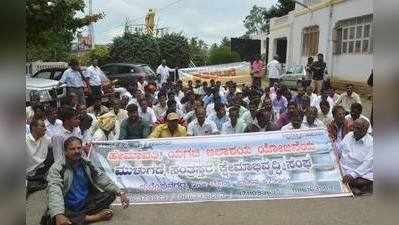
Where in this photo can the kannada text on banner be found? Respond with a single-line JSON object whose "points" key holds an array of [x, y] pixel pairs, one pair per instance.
{"points": [[273, 165], [237, 72]]}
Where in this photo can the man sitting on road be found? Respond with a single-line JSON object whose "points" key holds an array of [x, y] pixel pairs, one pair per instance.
{"points": [[296, 122], [310, 120], [39, 155], [201, 126], [78, 193], [356, 158], [356, 113], [232, 126], [347, 98], [133, 127], [170, 129], [98, 108]]}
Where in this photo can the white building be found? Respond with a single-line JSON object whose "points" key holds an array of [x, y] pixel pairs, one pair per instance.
{"points": [[342, 30]]}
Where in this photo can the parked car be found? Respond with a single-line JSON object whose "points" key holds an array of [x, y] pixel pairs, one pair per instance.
{"points": [[48, 89], [124, 72], [50, 73]]}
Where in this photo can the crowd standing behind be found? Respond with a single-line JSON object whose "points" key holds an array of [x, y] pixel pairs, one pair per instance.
{"points": [[169, 108]]}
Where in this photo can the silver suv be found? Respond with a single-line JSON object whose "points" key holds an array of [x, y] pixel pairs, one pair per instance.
{"points": [[47, 89]]}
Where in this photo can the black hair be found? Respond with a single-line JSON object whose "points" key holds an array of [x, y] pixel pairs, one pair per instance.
{"points": [[357, 106], [132, 107], [325, 103], [68, 113], [86, 118], [171, 102], [70, 140]]}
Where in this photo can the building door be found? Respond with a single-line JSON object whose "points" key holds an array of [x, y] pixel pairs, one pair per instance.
{"points": [[281, 49]]}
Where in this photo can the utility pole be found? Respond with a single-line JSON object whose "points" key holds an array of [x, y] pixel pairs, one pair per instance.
{"points": [[127, 26], [91, 26]]}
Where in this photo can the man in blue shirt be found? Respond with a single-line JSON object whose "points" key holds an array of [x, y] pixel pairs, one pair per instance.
{"points": [[78, 193]]}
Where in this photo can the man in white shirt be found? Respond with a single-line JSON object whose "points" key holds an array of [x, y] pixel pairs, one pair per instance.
{"points": [[249, 116], [200, 126], [324, 96], [70, 127], [146, 113], [274, 71], [347, 98], [313, 97], [296, 122], [75, 80], [222, 90], [40, 158], [53, 125], [356, 113], [310, 120], [163, 70], [220, 117], [324, 114], [96, 77], [161, 107], [356, 158], [231, 126]]}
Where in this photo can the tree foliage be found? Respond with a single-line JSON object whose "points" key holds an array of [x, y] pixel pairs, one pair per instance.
{"points": [[143, 48], [198, 51], [258, 19], [175, 49], [222, 55], [100, 52], [135, 48], [50, 27]]}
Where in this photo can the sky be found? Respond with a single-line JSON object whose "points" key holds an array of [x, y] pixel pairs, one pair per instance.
{"points": [[209, 20]]}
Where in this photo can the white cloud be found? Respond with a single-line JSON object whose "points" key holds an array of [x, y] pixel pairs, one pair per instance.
{"points": [[209, 20]]}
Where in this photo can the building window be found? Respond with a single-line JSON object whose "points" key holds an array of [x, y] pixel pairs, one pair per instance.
{"points": [[354, 36], [310, 43]]}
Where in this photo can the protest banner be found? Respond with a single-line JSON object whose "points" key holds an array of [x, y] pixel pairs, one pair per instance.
{"points": [[255, 166], [237, 72]]}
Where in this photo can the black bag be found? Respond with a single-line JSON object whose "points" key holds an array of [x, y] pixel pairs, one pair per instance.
{"points": [[370, 80]]}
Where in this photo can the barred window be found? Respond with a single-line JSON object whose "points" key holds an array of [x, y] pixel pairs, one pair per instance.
{"points": [[354, 36], [310, 42]]}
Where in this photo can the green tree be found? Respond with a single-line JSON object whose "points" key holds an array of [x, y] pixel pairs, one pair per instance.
{"points": [[135, 48], [225, 42], [143, 48], [101, 53], [175, 49], [50, 26], [198, 51], [258, 19], [223, 55]]}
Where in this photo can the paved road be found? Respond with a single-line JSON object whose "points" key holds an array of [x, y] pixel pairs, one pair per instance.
{"points": [[326, 211]]}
